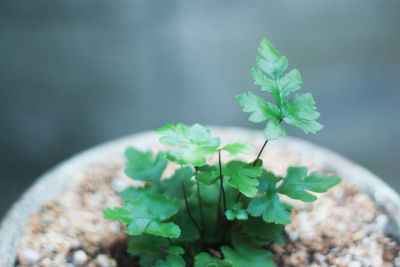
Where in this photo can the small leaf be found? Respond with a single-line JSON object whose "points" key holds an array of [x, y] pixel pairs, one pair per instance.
{"points": [[145, 215], [301, 112], [235, 212], [243, 176], [297, 183], [175, 250], [239, 147], [239, 215], [171, 261], [273, 130], [204, 259], [141, 166], [260, 109], [195, 143], [290, 83], [271, 209]]}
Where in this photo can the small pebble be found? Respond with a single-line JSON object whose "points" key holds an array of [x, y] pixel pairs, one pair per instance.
{"points": [[79, 257], [104, 261]]}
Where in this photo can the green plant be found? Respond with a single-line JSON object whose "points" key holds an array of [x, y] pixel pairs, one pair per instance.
{"points": [[220, 214]]}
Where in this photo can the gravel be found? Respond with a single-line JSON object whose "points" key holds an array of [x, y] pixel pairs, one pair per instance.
{"points": [[343, 227]]}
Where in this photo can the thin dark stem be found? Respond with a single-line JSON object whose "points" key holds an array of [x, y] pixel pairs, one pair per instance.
{"points": [[187, 205], [221, 178], [259, 154], [218, 212], [200, 202]]}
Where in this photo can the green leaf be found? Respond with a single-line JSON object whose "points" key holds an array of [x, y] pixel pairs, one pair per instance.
{"points": [[290, 83], [271, 62], [172, 187], [246, 253], [141, 166], [265, 83], [271, 209], [260, 109], [269, 205], [145, 215], [239, 147], [207, 174], [171, 261], [138, 245], [301, 113], [133, 193], [188, 230], [175, 250], [268, 182], [204, 259], [297, 183], [236, 212], [261, 230], [195, 143], [150, 259], [243, 176]]}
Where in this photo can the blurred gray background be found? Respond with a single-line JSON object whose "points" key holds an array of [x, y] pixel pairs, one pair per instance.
{"points": [[77, 73]]}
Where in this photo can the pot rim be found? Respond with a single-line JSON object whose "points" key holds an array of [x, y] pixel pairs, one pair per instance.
{"points": [[57, 178]]}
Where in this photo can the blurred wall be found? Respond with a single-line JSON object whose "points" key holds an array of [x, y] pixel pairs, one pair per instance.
{"points": [[77, 73]]}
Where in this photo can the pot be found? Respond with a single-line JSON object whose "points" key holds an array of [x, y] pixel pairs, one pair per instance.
{"points": [[56, 180]]}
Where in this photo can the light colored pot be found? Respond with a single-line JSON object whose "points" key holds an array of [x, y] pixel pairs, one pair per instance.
{"points": [[56, 180]]}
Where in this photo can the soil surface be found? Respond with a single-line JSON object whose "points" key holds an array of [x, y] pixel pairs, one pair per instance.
{"points": [[342, 228]]}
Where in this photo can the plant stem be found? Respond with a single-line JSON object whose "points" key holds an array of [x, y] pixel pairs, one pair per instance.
{"points": [[200, 202], [221, 178], [187, 205], [259, 154], [218, 212]]}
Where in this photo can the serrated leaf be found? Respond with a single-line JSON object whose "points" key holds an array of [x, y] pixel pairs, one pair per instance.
{"points": [[243, 176], [247, 253], [290, 83], [270, 60], [261, 230], [271, 209], [298, 111], [145, 215], [138, 245], [297, 184], [239, 148], [301, 113], [204, 259], [195, 143], [260, 109], [141, 166], [171, 261], [265, 83], [175, 250], [273, 130]]}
